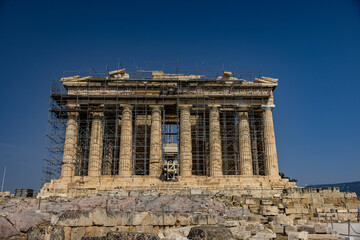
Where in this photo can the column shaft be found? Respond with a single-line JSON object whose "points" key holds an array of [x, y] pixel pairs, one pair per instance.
{"points": [[70, 145], [271, 161], [155, 142], [126, 151], [96, 144], [185, 142], [245, 156], [215, 143]]}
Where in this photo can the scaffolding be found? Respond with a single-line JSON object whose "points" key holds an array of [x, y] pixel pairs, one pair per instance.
{"points": [[141, 87]]}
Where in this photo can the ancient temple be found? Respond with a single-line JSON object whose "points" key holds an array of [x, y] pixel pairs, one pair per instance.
{"points": [[168, 132]]}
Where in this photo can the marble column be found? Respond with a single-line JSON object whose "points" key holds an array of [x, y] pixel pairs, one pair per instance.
{"points": [[185, 141], [96, 144], [155, 142], [245, 156], [215, 142], [271, 161], [70, 145], [126, 151]]}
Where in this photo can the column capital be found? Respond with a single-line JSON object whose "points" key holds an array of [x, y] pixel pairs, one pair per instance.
{"points": [[185, 106], [97, 114], [73, 114], [156, 107], [268, 106], [214, 106], [127, 107], [72, 105]]}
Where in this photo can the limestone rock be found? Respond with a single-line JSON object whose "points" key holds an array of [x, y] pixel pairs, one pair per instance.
{"points": [[36, 233], [283, 219], [184, 231], [231, 224], [6, 229], [321, 229], [24, 221], [174, 237], [268, 210], [298, 236], [206, 232], [290, 228], [131, 236], [265, 234], [55, 233]]}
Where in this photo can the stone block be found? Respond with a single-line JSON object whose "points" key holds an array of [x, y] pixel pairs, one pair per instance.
{"points": [[96, 231], [323, 236], [195, 191], [250, 201], [184, 231], [206, 232], [320, 229], [307, 228], [268, 210], [298, 236], [266, 202], [132, 235], [279, 229], [265, 234], [77, 232], [182, 219], [231, 224], [290, 228], [199, 219], [141, 218], [283, 219]]}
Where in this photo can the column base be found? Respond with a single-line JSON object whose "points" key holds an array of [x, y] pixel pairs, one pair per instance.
{"points": [[80, 186]]}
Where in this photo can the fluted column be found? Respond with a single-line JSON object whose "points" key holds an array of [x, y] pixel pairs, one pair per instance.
{"points": [[245, 156], [125, 159], [271, 161], [155, 142], [96, 144], [185, 141], [70, 145], [215, 142]]}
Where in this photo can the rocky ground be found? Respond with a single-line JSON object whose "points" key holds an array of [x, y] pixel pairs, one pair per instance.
{"points": [[166, 217]]}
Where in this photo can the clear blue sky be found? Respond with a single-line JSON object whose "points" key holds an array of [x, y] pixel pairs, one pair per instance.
{"points": [[313, 47]]}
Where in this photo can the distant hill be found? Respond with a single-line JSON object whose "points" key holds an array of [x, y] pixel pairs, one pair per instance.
{"points": [[344, 187]]}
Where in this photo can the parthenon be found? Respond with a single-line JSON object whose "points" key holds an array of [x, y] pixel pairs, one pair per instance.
{"points": [[153, 130]]}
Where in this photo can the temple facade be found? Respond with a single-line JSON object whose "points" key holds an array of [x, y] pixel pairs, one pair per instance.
{"points": [[167, 132]]}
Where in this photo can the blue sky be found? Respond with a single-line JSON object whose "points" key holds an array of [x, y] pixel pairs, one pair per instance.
{"points": [[313, 47]]}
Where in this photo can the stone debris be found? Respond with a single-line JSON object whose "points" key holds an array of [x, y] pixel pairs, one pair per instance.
{"points": [[206, 232], [169, 217]]}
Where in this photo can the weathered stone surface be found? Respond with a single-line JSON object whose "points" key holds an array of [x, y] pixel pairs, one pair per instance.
{"points": [[174, 237], [24, 221], [298, 236], [322, 236], [241, 235], [132, 236], [321, 229], [184, 231], [6, 229], [307, 228], [290, 228], [283, 219], [265, 234], [209, 233], [268, 210], [254, 227], [231, 224], [77, 232], [36, 233], [54, 233]]}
